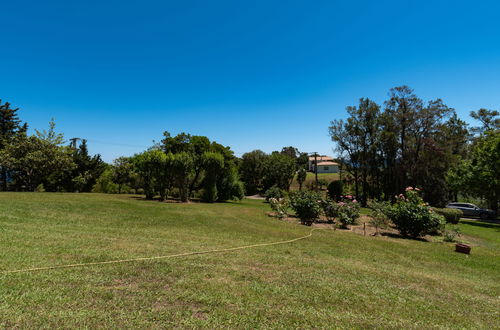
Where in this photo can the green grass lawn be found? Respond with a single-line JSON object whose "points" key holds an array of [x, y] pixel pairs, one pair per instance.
{"points": [[311, 178], [333, 279]]}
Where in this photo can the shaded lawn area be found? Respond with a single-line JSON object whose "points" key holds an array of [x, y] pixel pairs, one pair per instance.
{"points": [[333, 279]]}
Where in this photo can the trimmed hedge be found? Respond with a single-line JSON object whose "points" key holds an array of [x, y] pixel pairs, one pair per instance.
{"points": [[450, 215]]}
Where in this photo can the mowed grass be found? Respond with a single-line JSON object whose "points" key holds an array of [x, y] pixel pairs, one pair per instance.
{"points": [[310, 178], [333, 279]]}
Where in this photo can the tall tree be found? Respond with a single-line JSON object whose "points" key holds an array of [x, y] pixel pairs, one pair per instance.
{"points": [[488, 118], [10, 127], [252, 170]]}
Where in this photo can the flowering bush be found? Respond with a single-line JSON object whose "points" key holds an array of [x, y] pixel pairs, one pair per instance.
{"points": [[274, 192], [347, 211], [306, 206], [412, 217], [280, 206]]}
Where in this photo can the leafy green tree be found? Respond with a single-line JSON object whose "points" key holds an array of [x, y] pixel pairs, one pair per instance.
{"points": [[213, 164], [252, 169], [33, 160], [479, 176], [279, 171], [50, 135], [104, 184], [183, 167], [123, 169]]}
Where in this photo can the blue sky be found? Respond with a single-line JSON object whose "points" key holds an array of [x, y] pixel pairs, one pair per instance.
{"points": [[248, 74]]}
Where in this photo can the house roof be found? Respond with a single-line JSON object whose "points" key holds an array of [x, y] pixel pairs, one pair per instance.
{"points": [[321, 158], [327, 163]]}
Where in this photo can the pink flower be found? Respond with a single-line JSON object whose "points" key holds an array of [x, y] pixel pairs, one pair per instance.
{"points": [[341, 203], [348, 197], [354, 201], [409, 188], [417, 189]]}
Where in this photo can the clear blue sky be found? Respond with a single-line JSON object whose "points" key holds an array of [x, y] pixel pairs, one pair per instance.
{"points": [[248, 74]]}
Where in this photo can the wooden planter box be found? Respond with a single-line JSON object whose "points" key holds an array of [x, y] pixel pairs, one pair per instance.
{"points": [[462, 248]]}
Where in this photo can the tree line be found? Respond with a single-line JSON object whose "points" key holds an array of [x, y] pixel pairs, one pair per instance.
{"points": [[409, 142], [382, 150]]}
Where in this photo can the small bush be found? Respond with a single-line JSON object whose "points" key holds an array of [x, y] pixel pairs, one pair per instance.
{"points": [[451, 235], [274, 192], [330, 209], [280, 206], [348, 212], [306, 205], [335, 190], [412, 217], [40, 188], [450, 215]]}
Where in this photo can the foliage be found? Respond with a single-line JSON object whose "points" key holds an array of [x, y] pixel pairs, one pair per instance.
{"points": [[306, 205], [301, 177], [34, 161], [274, 192], [330, 209], [252, 170], [183, 168], [322, 182], [123, 168], [105, 184], [348, 211], [412, 217], [280, 206], [213, 164], [409, 142], [450, 215], [10, 129], [378, 214], [479, 176], [279, 171], [335, 190], [451, 235]]}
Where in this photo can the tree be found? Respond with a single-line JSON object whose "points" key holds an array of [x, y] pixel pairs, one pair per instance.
{"points": [[301, 177], [410, 143], [488, 118], [50, 135], [123, 169], [279, 170], [213, 164], [9, 128], [33, 160], [480, 176], [183, 167], [87, 167], [252, 170]]}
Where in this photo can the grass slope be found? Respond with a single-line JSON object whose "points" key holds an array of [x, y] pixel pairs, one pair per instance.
{"points": [[334, 279]]}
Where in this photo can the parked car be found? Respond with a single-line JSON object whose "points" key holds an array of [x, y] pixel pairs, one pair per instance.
{"points": [[472, 210]]}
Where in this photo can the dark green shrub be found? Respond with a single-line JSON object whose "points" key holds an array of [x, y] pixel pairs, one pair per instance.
{"points": [[412, 217], [450, 215], [274, 192], [306, 205], [335, 190]]}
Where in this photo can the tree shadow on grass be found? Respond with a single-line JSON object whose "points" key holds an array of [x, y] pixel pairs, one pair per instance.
{"points": [[483, 223], [399, 236]]}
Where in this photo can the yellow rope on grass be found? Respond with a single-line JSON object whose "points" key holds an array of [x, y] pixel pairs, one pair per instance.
{"points": [[157, 257]]}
